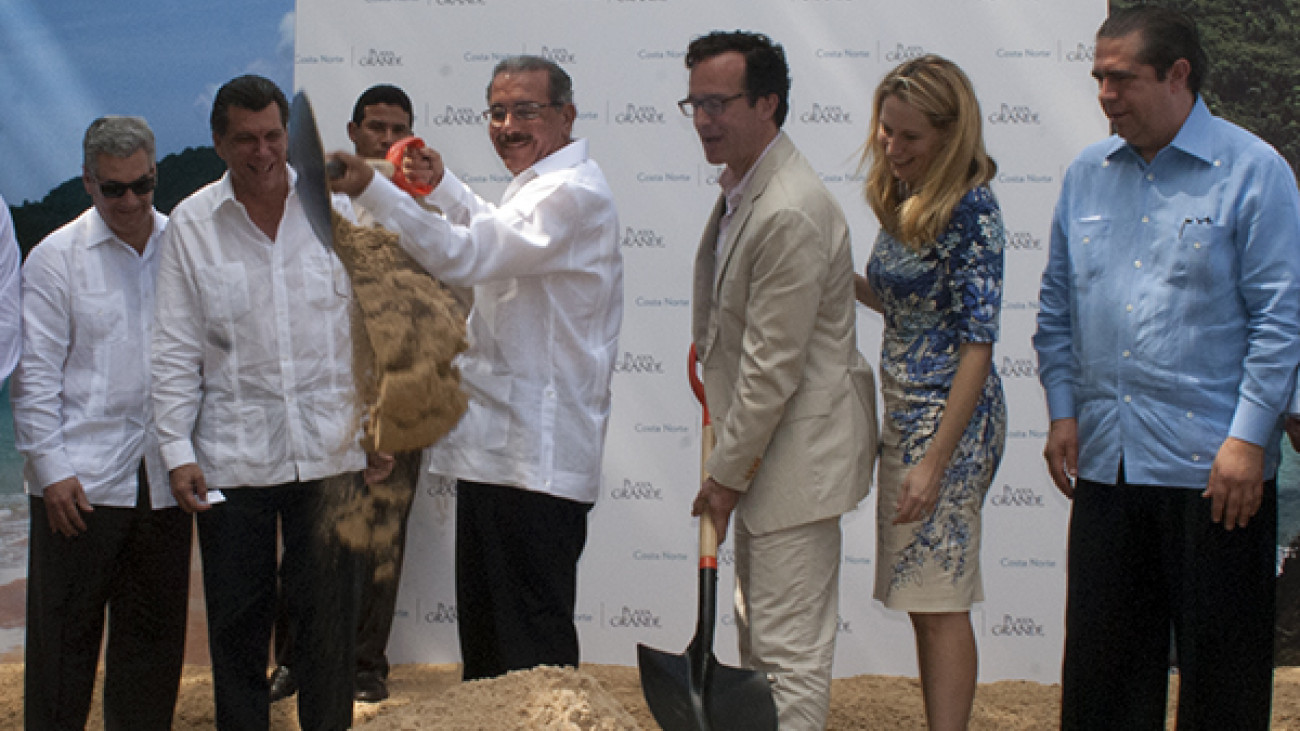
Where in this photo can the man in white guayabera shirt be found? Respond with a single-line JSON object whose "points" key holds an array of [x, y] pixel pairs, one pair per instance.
{"points": [[548, 302], [253, 391], [105, 531]]}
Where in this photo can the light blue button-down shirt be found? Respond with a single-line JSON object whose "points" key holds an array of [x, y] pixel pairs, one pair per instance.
{"points": [[1169, 314]]}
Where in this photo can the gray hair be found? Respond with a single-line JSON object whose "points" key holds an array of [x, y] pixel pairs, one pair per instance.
{"points": [[561, 86], [116, 137]]}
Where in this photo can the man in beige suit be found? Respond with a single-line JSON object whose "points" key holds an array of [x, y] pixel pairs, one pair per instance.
{"points": [[792, 400]]}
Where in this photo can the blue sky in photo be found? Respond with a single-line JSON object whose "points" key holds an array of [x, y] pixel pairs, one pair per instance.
{"points": [[65, 62]]}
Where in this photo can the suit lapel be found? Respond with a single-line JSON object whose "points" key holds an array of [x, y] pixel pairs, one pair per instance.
{"points": [[711, 265], [736, 231]]}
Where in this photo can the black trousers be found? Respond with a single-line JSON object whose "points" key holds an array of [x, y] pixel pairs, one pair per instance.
{"points": [[378, 600], [1144, 561], [136, 563], [516, 578], [238, 540]]}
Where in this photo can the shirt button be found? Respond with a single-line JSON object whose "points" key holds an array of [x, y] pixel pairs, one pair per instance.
{"points": [[1146, 219], [1218, 163], [1196, 458], [1137, 264], [1128, 399], [1086, 239], [1128, 308], [1105, 163], [1196, 245], [1126, 354], [1150, 176], [1189, 414]]}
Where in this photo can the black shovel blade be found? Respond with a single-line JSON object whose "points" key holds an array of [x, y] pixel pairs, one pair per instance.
{"points": [[723, 698], [308, 160]]}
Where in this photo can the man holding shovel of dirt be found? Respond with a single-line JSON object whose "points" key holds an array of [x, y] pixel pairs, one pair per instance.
{"points": [[548, 302]]}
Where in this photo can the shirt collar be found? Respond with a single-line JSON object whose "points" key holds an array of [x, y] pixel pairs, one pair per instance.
{"points": [[226, 189], [101, 234], [1193, 138], [733, 192], [571, 155]]}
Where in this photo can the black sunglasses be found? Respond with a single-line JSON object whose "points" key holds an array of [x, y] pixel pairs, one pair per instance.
{"points": [[142, 185]]}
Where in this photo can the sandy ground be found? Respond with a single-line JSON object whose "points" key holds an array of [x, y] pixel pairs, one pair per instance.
{"points": [[856, 703]]}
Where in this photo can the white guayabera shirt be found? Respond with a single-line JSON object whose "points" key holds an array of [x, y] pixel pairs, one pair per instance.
{"points": [[252, 354], [543, 333], [81, 391]]}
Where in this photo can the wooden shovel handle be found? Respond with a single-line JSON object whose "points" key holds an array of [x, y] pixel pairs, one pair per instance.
{"points": [[708, 533]]}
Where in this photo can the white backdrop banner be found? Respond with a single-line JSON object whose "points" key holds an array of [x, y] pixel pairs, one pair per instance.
{"points": [[1030, 63]]}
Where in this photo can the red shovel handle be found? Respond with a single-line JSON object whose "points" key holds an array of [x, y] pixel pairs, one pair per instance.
{"points": [[692, 367]]}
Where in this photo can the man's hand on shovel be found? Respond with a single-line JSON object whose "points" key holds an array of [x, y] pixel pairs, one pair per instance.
{"points": [[719, 501], [348, 174]]}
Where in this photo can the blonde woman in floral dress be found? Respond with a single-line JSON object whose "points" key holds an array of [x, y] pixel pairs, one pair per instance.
{"points": [[935, 275]]}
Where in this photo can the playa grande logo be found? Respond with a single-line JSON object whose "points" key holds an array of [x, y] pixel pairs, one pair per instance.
{"points": [[1023, 241], [1017, 627], [1081, 53], [457, 116], [1017, 497], [900, 53], [641, 238], [639, 363], [630, 618], [1014, 114], [636, 490], [826, 114], [1010, 367], [377, 58], [639, 114], [442, 614], [558, 55]]}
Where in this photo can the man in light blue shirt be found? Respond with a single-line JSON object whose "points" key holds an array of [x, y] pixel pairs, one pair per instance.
{"points": [[1168, 339]]}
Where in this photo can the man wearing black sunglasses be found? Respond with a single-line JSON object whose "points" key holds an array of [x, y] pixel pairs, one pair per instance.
{"points": [[105, 529]]}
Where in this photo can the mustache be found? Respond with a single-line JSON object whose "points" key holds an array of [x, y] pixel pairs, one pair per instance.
{"points": [[511, 138]]}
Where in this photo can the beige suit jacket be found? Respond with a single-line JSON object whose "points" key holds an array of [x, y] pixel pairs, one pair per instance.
{"points": [[791, 398]]}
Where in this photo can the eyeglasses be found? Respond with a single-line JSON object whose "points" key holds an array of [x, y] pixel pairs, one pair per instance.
{"points": [[710, 105], [142, 185], [523, 111]]}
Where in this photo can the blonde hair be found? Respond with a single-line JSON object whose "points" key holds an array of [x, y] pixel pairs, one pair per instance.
{"points": [[938, 89]]}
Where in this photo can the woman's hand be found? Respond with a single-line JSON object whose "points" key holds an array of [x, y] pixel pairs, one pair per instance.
{"points": [[920, 492]]}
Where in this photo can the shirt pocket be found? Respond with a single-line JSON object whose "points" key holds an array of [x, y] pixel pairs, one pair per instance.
{"points": [[1203, 258], [325, 283], [100, 318], [486, 425], [1089, 248], [224, 292]]}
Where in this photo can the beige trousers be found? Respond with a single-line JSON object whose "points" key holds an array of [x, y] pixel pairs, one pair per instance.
{"points": [[787, 612]]}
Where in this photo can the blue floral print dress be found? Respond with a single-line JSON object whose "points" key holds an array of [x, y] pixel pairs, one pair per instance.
{"points": [[935, 298]]}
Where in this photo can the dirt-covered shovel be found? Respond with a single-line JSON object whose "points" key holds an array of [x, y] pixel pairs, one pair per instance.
{"points": [[693, 691]]}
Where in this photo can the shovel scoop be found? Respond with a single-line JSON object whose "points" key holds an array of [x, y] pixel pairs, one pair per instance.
{"points": [[693, 691]]}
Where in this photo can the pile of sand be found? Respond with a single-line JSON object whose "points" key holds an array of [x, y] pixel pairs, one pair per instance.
{"points": [[541, 699]]}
